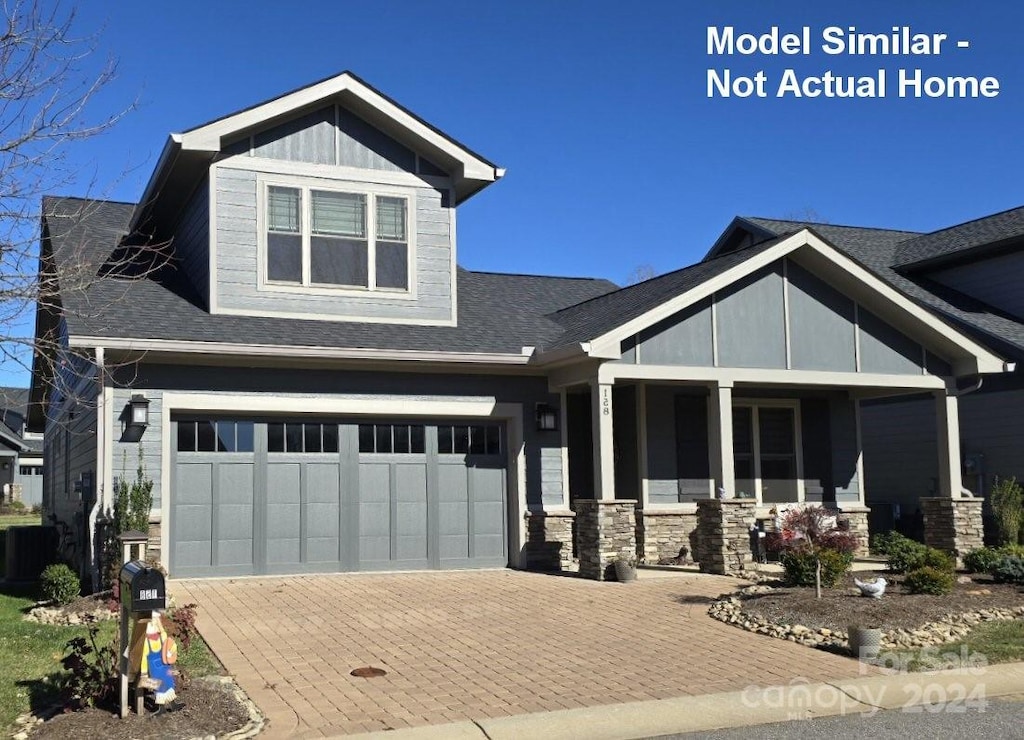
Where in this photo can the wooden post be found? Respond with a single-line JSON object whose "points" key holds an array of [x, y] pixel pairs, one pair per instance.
{"points": [[133, 546]]}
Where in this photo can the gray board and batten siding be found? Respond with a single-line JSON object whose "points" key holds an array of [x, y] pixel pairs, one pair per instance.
{"points": [[544, 484], [752, 320], [678, 466], [996, 281], [329, 137], [192, 240]]}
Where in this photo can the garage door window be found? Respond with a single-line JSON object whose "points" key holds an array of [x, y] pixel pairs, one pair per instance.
{"points": [[215, 435], [302, 437], [474, 439], [392, 438]]}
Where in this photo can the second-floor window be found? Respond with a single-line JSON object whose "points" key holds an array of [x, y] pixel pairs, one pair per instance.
{"points": [[332, 238]]}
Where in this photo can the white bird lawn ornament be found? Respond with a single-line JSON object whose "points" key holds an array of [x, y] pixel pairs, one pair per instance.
{"points": [[874, 590]]}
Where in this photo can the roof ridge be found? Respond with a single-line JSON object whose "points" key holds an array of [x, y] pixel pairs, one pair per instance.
{"points": [[836, 226]]}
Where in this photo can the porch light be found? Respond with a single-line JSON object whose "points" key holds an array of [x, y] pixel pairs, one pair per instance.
{"points": [[138, 412], [547, 418]]}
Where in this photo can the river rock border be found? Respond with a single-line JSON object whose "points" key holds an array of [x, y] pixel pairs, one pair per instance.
{"points": [[950, 628]]}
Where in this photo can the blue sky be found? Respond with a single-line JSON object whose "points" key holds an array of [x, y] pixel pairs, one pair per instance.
{"points": [[598, 110]]}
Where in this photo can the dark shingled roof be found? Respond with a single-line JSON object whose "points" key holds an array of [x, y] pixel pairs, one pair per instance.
{"points": [[877, 250], [13, 410], [497, 313], [599, 315], [969, 236]]}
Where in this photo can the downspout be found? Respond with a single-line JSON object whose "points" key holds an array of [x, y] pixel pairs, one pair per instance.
{"points": [[99, 487]]}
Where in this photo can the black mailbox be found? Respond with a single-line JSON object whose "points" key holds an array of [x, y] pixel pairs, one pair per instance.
{"points": [[142, 587]]}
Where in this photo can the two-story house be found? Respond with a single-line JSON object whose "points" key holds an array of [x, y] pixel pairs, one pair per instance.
{"points": [[21, 451], [280, 328]]}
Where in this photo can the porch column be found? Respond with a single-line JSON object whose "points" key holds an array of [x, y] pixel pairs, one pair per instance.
{"points": [[723, 468], [947, 418], [604, 447]]}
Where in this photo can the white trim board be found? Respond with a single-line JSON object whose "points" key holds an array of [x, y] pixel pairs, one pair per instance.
{"points": [[860, 284]]}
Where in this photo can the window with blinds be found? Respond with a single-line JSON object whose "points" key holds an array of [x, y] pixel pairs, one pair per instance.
{"points": [[329, 238]]}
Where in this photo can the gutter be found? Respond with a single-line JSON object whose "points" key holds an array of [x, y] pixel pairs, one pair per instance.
{"points": [[286, 351]]}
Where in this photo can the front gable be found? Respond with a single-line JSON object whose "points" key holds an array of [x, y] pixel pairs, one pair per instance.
{"points": [[798, 305]]}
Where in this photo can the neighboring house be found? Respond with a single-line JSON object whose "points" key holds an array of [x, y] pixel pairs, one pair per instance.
{"points": [[281, 330], [21, 451]]}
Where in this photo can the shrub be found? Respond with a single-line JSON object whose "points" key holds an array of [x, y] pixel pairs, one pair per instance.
{"points": [[60, 584], [92, 670], [181, 625], [904, 554], [881, 543], [982, 560], [799, 566], [930, 580], [933, 558], [1009, 569], [1008, 507]]}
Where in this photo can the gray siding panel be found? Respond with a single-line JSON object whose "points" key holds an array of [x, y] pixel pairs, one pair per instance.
{"points": [[363, 146], [843, 414], [662, 476], [820, 324], [900, 452], [683, 339], [309, 138], [816, 441], [751, 322], [192, 240], [883, 349], [996, 281], [237, 277]]}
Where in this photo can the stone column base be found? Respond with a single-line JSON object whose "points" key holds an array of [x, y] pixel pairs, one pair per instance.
{"points": [[604, 529], [723, 530], [855, 519], [549, 540], [953, 524], [661, 535]]}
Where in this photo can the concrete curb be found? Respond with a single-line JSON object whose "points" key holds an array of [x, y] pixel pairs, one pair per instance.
{"points": [[752, 706]]}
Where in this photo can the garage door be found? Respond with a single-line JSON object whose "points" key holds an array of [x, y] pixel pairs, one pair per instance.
{"points": [[271, 496]]}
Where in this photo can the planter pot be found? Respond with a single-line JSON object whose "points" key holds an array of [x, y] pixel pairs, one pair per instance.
{"points": [[625, 571], [865, 642]]}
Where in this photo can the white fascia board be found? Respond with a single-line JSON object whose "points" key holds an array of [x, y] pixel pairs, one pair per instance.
{"points": [[570, 352], [209, 137], [613, 372], [984, 361], [297, 352]]}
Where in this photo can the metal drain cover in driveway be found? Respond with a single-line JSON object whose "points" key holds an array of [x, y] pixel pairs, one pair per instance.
{"points": [[368, 672]]}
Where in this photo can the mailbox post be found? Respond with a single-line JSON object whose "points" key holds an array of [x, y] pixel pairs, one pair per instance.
{"points": [[143, 591]]}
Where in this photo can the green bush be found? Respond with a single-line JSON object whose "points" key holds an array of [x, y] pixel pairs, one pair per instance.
{"points": [[60, 584], [904, 554], [881, 543], [930, 580], [799, 566], [982, 560], [933, 558], [1009, 569], [1008, 507]]}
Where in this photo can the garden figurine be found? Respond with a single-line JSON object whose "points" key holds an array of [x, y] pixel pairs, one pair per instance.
{"points": [[159, 653]]}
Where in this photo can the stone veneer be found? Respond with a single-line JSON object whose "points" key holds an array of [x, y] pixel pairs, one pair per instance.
{"points": [[549, 540], [953, 524], [723, 528], [857, 522], [604, 529], [661, 534]]}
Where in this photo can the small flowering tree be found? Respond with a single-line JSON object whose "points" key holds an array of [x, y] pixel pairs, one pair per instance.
{"points": [[812, 548]]}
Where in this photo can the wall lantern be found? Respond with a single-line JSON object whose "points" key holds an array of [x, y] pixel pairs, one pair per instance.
{"points": [[547, 418], [138, 412]]}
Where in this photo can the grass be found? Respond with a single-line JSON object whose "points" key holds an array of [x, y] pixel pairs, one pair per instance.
{"points": [[991, 642]]}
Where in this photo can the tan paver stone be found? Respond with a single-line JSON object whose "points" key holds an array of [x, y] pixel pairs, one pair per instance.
{"points": [[471, 645]]}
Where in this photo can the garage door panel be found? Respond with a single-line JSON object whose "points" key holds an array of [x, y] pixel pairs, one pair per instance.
{"points": [[283, 551], [234, 522], [322, 549], [374, 483], [195, 484], [235, 552], [322, 520], [453, 519], [192, 554], [323, 483], [234, 483], [195, 524]]}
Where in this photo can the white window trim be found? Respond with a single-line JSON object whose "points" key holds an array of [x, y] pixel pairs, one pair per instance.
{"points": [[370, 192], [754, 404]]}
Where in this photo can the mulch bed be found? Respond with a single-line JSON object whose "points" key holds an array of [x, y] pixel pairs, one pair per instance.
{"points": [[840, 607], [209, 709]]}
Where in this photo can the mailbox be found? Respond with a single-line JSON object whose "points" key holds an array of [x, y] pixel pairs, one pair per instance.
{"points": [[142, 587]]}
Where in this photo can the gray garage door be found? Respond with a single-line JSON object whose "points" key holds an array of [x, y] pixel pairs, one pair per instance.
{"points": [[269, 496]]}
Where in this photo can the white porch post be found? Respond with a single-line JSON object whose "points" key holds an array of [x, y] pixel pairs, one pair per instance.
{"points": [[720, 438], [604, 451], [947, 419]]}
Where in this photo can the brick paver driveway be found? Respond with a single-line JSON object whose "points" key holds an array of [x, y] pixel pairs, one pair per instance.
{"points": [[473, 645]]}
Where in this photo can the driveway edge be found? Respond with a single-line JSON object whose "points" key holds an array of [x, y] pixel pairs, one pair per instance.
{"points": [[967, 689]]}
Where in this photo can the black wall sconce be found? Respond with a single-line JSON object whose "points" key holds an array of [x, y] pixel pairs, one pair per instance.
{"points": [[547, 418], [138, 411]]}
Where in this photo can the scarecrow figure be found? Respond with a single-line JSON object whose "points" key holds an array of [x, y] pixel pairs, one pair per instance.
{"points": [[159, 653]]}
